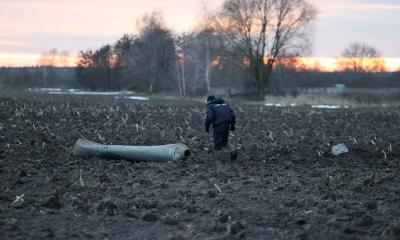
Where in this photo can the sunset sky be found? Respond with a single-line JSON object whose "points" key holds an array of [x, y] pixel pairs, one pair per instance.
{"points": [[30, 27]]}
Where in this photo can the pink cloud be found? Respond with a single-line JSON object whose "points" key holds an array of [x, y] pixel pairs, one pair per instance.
{"points": [[94, 16], [12, 43], [329, 7]]}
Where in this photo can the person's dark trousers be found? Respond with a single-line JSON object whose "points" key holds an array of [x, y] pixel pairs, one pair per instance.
{"points": [[221, 134]]}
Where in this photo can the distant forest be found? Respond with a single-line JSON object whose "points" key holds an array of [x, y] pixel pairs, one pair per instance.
{"points": [[283, 80]]}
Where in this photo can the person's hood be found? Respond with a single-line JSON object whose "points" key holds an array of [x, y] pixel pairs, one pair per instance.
{"points": [[217, 101]]}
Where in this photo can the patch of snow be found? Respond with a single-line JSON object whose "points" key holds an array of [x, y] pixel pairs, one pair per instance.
{"points": [[45, 90], [87, 93], [139, 98], [325, 106], [280, 105], [275, 105], [322, 106], [76, 92]]}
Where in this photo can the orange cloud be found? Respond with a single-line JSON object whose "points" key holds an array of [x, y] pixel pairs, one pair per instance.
{"points": [[327, 64], [22, 60]]}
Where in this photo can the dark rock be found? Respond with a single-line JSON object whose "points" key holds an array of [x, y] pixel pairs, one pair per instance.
{"points": [[149, 217], [55, 179], [366, 221], [236, 227], [5, 198], [205, 210], [357, 214], [331, 210], [192, 209], [394, 232], [53, 203], [177, 204], [371, 205], [303, 236], [131, 215], [107, 206], [150, 205], [301, 222], [181, 237], [170, 221], [8, 225], [349, 231], [211, 194], [104, 178], [48, 233], [295, 204], [225, 218], [23, 173]]}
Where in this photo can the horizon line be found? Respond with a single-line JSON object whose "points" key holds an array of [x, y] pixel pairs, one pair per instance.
{"points": [[323, 64]]}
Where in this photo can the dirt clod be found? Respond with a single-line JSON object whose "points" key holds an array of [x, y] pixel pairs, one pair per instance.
{"points": [[149, 217], [53, 202]]}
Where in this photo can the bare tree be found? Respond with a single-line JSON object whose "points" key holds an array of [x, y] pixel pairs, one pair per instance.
{"points": [[361, 58], [265, 30], [208, 50], [157, 50], [63, 62], [63, 59], [181, 42], [48, 59], [46, 62]]}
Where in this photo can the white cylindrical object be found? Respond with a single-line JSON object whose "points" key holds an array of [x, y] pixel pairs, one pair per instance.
{"points": [[170, 152]]}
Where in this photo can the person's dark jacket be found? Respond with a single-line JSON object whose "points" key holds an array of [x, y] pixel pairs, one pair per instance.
{"points": [[219, 112]]}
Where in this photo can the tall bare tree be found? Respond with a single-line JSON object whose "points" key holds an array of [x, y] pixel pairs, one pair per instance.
{"points": [[361, 58], [157, 52], [47, 61], [182, 43], [265, 30], [63, 62]]}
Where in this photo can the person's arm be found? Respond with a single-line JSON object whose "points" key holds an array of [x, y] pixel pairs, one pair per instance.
{"points": [[209, 117]]}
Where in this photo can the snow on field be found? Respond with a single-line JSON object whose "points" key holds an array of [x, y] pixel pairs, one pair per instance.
{"points": [[321, 106], [122, 94], [328, 106], [75, 91], [140, 98], [280, 105]]}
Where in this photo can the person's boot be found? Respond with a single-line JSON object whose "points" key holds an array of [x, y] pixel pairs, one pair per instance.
{"points": [[217, 155], [232, 151]]}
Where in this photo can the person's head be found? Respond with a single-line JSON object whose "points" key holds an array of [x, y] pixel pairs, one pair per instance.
{"points": [[210, 98]]}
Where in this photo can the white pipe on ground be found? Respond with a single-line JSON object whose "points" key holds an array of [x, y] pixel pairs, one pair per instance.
{"points": [[170, 152]]}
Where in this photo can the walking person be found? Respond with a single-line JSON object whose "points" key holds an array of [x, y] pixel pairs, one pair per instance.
{"points": [[221, 116]]}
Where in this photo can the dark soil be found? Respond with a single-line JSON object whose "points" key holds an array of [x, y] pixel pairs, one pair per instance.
{"points": [[285, 184]]}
